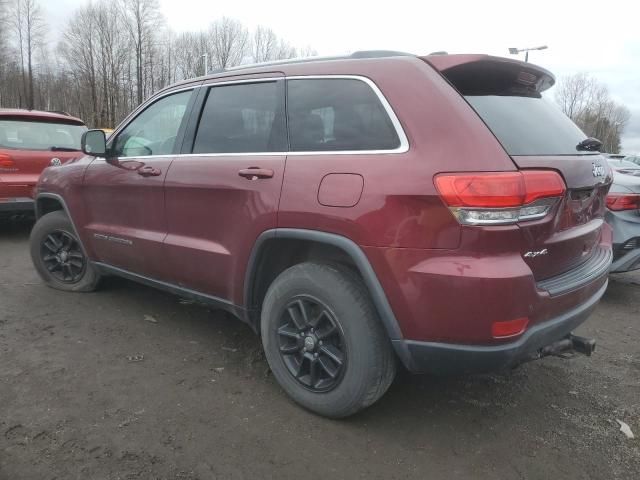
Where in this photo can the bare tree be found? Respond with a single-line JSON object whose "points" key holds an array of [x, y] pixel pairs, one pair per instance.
{"points": [[266, 46], [307, 51], [264, 43], [112, 54], [588, 103], [79, 49], [229, 39], [142, 21], [30, 28], [189, 48]]}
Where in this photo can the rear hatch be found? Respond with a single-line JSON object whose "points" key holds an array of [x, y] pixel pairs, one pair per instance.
{"points": [[507, 95], [28, 145]]}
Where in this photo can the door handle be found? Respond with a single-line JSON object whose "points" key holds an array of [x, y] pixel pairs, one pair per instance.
{"points": [[149, 171], [254, 173]]}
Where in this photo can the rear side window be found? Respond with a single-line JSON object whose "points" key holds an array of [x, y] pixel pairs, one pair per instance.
{"points": [[35, 135], [337, 115], [243, 118], [528, 125]]}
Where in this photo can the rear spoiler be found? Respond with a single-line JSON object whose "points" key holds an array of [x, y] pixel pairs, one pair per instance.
{"points": [[477, 74]]}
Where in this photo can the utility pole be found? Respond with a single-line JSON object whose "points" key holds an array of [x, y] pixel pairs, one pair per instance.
{"points": [[516, 51], [206, 63]]}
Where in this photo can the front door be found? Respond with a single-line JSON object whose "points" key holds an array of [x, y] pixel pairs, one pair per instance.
{"points": [[224, 190], [126, 222]]}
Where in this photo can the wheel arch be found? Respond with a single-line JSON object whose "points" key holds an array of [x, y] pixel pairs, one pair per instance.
{"points": [[264, 266], [51, 202]]}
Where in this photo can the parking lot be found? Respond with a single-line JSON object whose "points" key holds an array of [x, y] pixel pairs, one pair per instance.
{"points": [[129, 382]]}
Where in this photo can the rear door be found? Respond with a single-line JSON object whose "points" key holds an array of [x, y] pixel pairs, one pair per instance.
{"points": [[537, 135], [223, 191]]}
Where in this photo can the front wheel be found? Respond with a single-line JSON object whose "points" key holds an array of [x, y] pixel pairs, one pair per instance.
{"points": [[58, 256], [324, 341]]}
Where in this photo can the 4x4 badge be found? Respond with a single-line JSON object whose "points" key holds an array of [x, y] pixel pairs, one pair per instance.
{"points": [[598, 170], [534, 254]]}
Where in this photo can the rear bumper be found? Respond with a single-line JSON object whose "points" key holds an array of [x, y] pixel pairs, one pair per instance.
{"points": [[447, 358], [16, 205], [626, 232], [627, 262]]}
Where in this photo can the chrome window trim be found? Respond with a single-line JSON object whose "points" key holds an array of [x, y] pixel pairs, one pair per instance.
{"points": [[402, 137], [402, 148]]}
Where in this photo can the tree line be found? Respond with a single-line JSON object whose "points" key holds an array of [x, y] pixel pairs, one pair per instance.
{"points": [[588, 103], [113, 54]]}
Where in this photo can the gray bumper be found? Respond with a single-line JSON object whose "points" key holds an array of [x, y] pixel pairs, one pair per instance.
{"points": [[627, 262], [451, 359], [626, 228], [16, 205]]}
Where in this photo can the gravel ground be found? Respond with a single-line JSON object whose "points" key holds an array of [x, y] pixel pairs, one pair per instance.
{"points": [[129, 383]]}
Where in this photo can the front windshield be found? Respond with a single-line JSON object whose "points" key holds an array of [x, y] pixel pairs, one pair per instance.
{"points": [[37, 135]]}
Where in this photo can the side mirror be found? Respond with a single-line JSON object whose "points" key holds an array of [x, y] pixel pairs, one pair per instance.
{"points": [[94, 142]]}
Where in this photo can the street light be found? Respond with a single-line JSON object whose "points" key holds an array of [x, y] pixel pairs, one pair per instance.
{"points": [[516, 51], [206, 62]]}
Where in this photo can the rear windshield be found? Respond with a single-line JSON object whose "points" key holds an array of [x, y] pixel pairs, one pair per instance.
{"points": [[34, 135], [528, 125], [623, 164]]}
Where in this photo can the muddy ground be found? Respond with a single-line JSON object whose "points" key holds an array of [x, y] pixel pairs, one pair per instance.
{"points": [[129, 383]]}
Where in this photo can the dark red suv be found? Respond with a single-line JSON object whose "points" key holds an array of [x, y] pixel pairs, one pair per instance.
{"points": [[30, 141], [353, 211]]}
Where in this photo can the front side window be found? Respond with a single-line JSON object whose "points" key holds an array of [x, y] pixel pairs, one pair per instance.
{"points": [[154, 131], [242, 118], [37, 135], [337, 115]]}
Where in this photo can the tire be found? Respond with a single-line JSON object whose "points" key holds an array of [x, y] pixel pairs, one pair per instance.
{"points": [[58, 256], [358, 340]]}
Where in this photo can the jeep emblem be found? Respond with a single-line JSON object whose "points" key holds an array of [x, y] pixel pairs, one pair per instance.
{"points": [[597, 170]]}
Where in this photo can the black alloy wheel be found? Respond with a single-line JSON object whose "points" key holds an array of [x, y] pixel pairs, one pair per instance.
{"points": [[62, 256], [311, 344]]}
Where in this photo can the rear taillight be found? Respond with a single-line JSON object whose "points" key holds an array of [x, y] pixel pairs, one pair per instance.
{"points": [[489, 198], [6, 161], [623, 201]]}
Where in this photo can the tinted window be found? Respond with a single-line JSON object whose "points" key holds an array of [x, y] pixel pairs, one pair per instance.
{"points": [[242, 118], [154, 131], [337, 114], [34, 135], [528, 125]]}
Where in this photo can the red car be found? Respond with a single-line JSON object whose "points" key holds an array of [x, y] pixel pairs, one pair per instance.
{"points": [[31, 141], [353, 211]]}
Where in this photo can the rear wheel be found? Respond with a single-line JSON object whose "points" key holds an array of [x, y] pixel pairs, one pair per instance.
{"points": [[58, 256], [324, 341]]}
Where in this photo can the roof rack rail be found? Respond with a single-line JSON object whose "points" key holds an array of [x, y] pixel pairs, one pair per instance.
{"points": [[380, 54], [288, 61]]}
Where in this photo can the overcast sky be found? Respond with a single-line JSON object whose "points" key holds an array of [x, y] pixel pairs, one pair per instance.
{"points": [[598, 37]]}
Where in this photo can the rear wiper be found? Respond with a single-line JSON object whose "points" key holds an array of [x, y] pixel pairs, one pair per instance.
{"points": [[589, 145], [64, 149]]}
